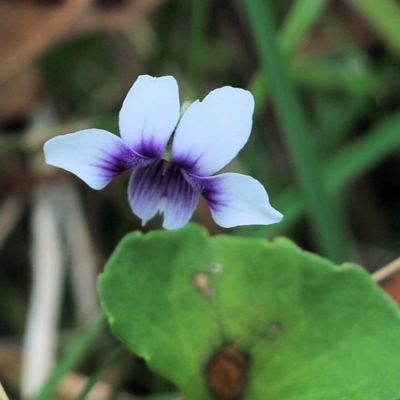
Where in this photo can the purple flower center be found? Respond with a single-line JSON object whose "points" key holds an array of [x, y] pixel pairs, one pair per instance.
{"points": [[162, 186]]}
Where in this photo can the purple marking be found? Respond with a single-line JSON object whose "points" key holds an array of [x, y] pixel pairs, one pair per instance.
{"points": [[155, 189], [187, 162], [150, 147]]}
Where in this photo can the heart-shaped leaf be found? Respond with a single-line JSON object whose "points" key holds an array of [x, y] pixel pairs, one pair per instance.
{"points": [[237, 318]]}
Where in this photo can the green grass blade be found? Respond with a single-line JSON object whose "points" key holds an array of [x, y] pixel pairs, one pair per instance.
{"points": [[328, 228], [100, 372], [332, 130], [197, 44], [356, 158], [384, 16], [357, 78], [72, 356], [339, 171], [301, 17], [324, 75]]}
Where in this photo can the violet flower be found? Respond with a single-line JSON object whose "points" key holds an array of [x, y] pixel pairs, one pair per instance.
{"points": [[207, 137]]}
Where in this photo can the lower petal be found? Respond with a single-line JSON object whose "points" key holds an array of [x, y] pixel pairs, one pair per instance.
{"points": [[155, 189], [94, 155], [236, 199]]}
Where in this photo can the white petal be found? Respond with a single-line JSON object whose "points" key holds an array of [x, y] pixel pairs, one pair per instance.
{"points": [[94, 155], [154, 189], [149, 114], [236, 199], [212, 132]]}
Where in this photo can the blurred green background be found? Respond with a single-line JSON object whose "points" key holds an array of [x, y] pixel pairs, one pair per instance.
{"points": [[325, 142]]}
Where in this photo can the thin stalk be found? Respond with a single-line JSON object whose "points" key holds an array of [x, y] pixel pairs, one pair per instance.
{"points": [[329, 230], [100, 372], [72, 356]]}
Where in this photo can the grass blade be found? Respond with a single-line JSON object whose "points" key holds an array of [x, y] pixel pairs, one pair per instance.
{"points": [[384, 16], [72, 356], [297, 24], [100, 372], [329, 232], [338, 171]]}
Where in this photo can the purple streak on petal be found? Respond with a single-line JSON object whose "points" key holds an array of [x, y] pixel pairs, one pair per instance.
{"points": [[181, 199], [145, 190], [212, 132], [187, 162], [149, 114], [236, 199], [149, 147], [155, 189], [94, 155], [114, 163]]}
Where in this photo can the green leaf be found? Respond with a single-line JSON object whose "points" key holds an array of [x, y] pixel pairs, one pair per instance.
{"points": [[265, 319]]}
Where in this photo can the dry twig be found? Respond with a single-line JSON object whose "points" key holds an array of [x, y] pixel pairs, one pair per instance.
{"points": [[3, 395], [387, 271]]}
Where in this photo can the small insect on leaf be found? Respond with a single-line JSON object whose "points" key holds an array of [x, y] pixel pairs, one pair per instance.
{"points": [[226, 373]]}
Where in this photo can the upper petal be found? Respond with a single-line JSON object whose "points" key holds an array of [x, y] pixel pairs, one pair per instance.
{"points": [[153, 189], [94, 155], [212, 132], [149, 114], [236, 199]]}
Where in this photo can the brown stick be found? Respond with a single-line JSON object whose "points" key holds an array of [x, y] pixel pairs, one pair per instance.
{"points": [[387, 271]]}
